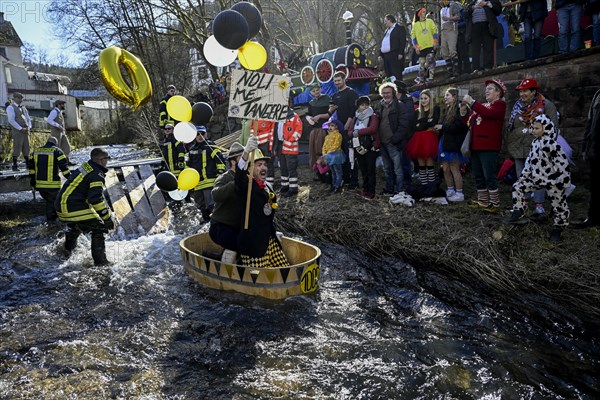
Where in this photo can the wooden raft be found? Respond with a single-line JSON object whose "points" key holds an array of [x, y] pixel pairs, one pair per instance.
{"points": [[139, 206]]}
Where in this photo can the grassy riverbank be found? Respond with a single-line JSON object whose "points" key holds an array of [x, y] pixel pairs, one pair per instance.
{"points": [[465, 243]]}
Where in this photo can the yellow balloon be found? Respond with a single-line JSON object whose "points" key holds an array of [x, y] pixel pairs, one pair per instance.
{"points": [[140, 90], [188, 179], [252, 55], [179, 108]]}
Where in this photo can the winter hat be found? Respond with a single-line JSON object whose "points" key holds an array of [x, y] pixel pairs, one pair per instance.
{"points": [[499, 84], [363, 100], [340, 126], [235, 150], [528, 83]]}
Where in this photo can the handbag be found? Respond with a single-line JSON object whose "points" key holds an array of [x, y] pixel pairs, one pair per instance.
{"points": [[465, 148]]}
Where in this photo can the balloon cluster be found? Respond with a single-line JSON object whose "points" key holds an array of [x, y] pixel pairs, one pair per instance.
{"points": [[178, 187], [232, 30], [180, 109], [110, 62]]}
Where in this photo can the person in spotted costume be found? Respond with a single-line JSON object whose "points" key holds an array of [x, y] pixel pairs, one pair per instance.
{"points": [[546, 167]]}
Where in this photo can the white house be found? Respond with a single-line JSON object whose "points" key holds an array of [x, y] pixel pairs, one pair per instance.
{"points": [[39, 90]]}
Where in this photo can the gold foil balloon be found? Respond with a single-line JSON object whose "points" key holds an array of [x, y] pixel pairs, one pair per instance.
{"points": [[135, 94]]}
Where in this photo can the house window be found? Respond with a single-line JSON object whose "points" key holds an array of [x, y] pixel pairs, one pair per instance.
{"points": [[8, 75]]}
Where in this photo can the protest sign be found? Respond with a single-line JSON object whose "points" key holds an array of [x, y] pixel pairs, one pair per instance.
{"points": [[256, 95]]}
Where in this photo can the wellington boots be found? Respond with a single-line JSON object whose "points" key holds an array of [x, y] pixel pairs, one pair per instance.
{"points": [[98, 249], [229, 257], [14, 166], [70, 241], [291, 192]]}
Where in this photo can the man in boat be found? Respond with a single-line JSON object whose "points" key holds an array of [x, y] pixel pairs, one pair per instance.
{"points": [[44, 165], [207, 159], [257, 243], [225, 219], [81, 204]]}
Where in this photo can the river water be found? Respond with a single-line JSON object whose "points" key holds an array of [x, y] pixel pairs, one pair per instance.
{"points": [[142, 329]]}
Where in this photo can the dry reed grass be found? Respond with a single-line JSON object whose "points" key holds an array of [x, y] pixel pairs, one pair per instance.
{"points": [[464, 242]]}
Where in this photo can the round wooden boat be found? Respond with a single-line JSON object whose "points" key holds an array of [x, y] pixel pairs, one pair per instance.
{"points": [[202, 260]]}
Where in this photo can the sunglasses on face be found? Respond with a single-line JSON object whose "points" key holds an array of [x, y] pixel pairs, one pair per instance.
{"points": [[168, 129]]}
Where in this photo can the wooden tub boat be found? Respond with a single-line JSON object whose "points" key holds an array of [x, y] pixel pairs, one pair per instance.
{"points": [[201, 257]]}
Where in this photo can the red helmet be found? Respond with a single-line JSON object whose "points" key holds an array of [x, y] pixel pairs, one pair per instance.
{"points": [[528, 83]]}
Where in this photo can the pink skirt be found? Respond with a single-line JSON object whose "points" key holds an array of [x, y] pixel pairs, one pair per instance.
{"points": [[422, 145]]}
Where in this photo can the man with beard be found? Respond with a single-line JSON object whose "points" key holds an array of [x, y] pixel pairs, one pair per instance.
{"points": [[344, 103]]}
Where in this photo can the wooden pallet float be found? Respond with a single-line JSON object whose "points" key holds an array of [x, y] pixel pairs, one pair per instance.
{"points": [[201, 257], [138, 205]]}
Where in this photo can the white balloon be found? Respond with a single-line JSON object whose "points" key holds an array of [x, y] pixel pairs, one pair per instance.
{"points": [[185, 132], [217, 55], [178, 195]]}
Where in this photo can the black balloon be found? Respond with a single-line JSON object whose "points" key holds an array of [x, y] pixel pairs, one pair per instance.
{"points": [[252, 15], [165, 180], [230, 29], [201, 113]]}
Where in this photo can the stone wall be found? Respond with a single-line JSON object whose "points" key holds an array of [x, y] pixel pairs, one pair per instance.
{"points": [[569, 80]]}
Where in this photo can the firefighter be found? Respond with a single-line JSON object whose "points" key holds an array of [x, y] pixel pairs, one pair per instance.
{"points": [[173, 152], [207, 159], [264, 133], [44, 164], [289, 134], [164, 118], [81, 204]]}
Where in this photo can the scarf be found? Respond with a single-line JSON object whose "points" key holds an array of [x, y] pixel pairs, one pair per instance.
{"points": [[527, 112], [261, 184], [364, 115]]}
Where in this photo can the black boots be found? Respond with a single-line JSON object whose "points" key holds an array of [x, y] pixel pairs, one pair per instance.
{"points": [[14, 166], [517, 217], [98, 249], [555, 234], [290, 192]]}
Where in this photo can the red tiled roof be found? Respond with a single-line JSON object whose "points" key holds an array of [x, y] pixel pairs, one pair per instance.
{"points": [[360, 73]]}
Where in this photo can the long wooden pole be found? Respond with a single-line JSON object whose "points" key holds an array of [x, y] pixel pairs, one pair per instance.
{"points": [[250, 177]]}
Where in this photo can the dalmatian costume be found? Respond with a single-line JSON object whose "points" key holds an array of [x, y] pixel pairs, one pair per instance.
{"points": [[546, 167]]}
